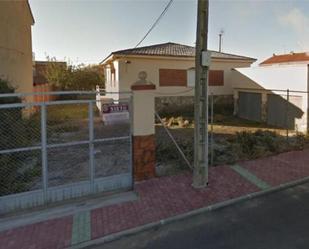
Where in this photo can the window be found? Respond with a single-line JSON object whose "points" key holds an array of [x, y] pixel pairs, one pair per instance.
{"points": [[216, 78], [172, 77]]}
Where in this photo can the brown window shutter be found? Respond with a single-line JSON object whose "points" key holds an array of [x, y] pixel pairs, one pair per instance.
{"points": [[216, 78], [172, 77]]}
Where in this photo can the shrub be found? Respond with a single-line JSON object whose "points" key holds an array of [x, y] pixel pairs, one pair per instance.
{"points": [[227, 149], [15, 175], [260, 143], [73, 77]]}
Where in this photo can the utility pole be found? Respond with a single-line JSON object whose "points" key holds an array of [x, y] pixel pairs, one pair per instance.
{"points": [[202, 62]]}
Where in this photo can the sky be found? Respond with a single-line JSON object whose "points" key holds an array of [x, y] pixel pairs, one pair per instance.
{"points": [[86, 31]]}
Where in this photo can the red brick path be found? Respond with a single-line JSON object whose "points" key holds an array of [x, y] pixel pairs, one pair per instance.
{"points": [[280, 169], [160, 198], [168, 196], [52, 234]]}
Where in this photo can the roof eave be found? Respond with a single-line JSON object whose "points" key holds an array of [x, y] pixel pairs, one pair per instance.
{"points": [[32, 17], [107, 59], [113, 56], [235, 59]]}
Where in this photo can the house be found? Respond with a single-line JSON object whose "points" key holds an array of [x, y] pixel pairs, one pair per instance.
{"points": [[166, 66], [287, 59], [280, 95], [16, 20]]}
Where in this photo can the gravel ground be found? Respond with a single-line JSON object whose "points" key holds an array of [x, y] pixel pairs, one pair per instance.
{"points": [[71, 163]]}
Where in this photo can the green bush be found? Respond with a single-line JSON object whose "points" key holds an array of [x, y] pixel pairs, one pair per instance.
{"points": [[167, 152], [72, 77], [260, 143], [227, 150]]}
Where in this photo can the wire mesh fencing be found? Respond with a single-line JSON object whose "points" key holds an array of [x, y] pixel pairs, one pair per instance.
{"points": [[250, 124], [63, 148], [20, 167], [264, 122]]}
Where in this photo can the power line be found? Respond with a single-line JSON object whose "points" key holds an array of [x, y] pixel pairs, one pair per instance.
{"points": [[156, 22]]}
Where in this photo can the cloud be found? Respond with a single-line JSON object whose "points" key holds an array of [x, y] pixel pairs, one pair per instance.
{"points": [[297, 21]]}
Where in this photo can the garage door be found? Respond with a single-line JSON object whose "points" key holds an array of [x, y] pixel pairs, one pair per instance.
{"points": [[277, 113], [249, 106]]}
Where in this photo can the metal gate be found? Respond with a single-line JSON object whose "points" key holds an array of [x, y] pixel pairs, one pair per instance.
{"points": [[249, 106], [58, 150]]}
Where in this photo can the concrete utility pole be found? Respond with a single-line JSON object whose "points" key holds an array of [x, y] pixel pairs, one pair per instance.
{"points": [[202, 62]]}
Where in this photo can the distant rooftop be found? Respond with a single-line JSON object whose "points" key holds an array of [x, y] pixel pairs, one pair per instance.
{"points": [[175, 50], [287, 58]]}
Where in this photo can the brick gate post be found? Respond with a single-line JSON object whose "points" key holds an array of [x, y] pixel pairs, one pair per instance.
{"points": [[143, 131]]}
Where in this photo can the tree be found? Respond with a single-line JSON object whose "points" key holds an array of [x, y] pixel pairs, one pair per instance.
{"points": [[87, 77], [57, 74], [72, 77]]}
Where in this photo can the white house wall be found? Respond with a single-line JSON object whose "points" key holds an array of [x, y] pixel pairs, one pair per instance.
{"points": [[280, 77], [129, 71], [294, 78]]}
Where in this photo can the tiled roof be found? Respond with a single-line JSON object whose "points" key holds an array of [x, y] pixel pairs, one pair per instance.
{"points": [[176, 50], [286, 58]]}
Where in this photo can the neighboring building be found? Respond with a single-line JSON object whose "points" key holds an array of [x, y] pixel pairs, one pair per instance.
{"points": [[15, 44], [283, 78], [40, 68], [40, 83], [287, 59], [166, 66]]}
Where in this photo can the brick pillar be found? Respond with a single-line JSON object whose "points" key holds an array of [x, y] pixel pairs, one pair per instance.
{"points": [[144, 148]]}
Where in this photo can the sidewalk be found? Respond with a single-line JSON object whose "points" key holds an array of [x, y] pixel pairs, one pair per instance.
{"points": [[160, 198]]}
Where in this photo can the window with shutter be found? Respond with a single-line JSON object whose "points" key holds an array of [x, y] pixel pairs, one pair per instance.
{"points": [[216, 78], [172, 77]]}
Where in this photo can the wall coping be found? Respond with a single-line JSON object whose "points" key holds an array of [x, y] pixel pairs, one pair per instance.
{"points": [[143, 87]]}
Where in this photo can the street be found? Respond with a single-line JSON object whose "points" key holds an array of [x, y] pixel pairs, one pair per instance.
{"points": [[275, 221]]}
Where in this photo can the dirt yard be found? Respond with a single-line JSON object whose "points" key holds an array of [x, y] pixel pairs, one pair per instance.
{"points": [[71, 163], [234, 140]]}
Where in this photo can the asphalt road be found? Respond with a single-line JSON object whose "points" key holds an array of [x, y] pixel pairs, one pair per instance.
{"points": [[276, 221]]}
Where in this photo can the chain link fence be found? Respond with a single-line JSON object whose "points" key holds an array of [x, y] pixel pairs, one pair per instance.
{"points": [[62, 149], [253, 123]]}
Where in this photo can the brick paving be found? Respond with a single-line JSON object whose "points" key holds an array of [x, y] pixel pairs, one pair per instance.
{"points": [[51, 234], [276, 170], [160, 198], [168, 196]]}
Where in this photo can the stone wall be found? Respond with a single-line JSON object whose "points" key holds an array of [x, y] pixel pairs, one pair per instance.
{"points": [[144, 151], [185, 104], [174, 104]]}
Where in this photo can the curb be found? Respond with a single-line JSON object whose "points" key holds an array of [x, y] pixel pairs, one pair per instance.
{"points": [[157, 224]]}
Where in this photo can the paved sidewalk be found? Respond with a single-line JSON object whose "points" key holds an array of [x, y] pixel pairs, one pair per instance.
{"points": [[160, 198]]}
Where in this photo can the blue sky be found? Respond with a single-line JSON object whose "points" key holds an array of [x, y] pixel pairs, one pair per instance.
{"points": [[87, 31]]}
